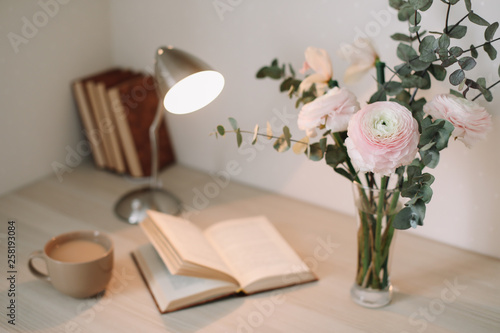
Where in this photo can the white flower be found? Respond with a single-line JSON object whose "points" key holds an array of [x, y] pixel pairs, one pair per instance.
{"points": [[319, 61], [471, 121], [333, 110], [362, 57]]}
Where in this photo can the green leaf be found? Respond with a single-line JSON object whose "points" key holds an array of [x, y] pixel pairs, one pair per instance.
{"points": [[286, 84], [456, 93], [439, 72], [316, 153], [396, 4], [453, 2], [468, 5], [344, 173], [286, 133], [456, 51], [474, 18], [428, 44], [291, 70], [490, 50], [403, 69], [408, 217], [280, 145], [393, 88], [430, 157], [239, 138], [449, 61], [233, 123], [457, 77], [378, 96], [401, 37], [467, 63], [414, 81], [422, 5], [335, 155], [403, 97], [457, 31], [415, 18], [405, 12], [489, 33], [444, 41], [406, 52], [221, 130], [473, 51]]}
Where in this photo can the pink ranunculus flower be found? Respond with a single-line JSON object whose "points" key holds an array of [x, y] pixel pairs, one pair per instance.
{"points": [[319, 61], [333, 110], [381, 137], [471, 121]]}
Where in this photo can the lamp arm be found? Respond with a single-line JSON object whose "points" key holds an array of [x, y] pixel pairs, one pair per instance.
{"points": [[153, 138]]}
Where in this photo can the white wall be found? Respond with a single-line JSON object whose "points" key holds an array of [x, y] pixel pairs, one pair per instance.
{"points": [[244, 35], [38, 120], [45, 45]]}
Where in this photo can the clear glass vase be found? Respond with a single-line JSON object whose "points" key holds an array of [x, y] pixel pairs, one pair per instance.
{"points": [[375, 211]]}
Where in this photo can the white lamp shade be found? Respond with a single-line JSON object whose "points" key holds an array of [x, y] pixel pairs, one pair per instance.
{"points": [[185, 83]]}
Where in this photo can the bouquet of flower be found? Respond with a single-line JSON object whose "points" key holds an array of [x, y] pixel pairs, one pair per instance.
{"points": [[385, 146]]}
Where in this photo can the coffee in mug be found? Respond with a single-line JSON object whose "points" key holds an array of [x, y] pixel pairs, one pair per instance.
{"points": [[79, 263]]}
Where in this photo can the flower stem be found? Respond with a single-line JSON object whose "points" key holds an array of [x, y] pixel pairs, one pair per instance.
{"points": [[378, 229]]}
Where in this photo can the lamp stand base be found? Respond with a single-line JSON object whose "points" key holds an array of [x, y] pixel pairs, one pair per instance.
{"points": [[132, 206]]}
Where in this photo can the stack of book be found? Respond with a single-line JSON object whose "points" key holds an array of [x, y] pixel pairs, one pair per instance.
{"points": [[117, 107]]}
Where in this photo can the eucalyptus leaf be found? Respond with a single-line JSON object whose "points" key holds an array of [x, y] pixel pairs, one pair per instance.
{"points": [[405, 12], [473, 51], [457, 77], [280, 145], [239, 138], [489, 33], [415, 18], [406, 52], [269, 131], [474, 18], [335, 155], [393, 88], [439, 72], [287, 135], [255, 134], [468, 5], [396, 4], [444, 41], [456, 51], [315, 154], [301, 146], [403, 69], [467, 63], [233, 123], [490, 50], [457, 31], [401, 37], [221, 130]]}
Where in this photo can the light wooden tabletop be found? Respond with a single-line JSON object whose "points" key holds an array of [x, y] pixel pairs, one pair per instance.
{"points": [[438, 288]]}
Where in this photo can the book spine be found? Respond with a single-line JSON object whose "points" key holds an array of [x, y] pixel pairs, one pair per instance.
{"points": [[90, 129]]}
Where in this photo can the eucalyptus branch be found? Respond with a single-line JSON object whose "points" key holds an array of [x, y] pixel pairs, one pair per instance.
{"points": [[416, 32], [479, 46], [447, 18], [267, 136], [481, 94], [457, 24]]}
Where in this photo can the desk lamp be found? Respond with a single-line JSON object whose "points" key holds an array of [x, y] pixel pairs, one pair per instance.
{"points": [[184, 84]]}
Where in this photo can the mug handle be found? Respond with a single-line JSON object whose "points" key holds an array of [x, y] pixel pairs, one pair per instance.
{"points": [[34, 271]]}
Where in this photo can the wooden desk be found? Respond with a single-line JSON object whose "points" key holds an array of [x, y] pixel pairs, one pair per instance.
{"points": [[439, 288]]}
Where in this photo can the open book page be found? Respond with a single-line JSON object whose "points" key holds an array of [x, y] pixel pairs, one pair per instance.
{"points": [[188, 243], [172, 292], [257, 254]]}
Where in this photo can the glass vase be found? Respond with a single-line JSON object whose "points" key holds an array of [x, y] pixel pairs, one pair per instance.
{"points": [[375, 211]]}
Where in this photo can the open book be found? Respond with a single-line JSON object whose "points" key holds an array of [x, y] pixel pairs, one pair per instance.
{"points": [[188, 266]]}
